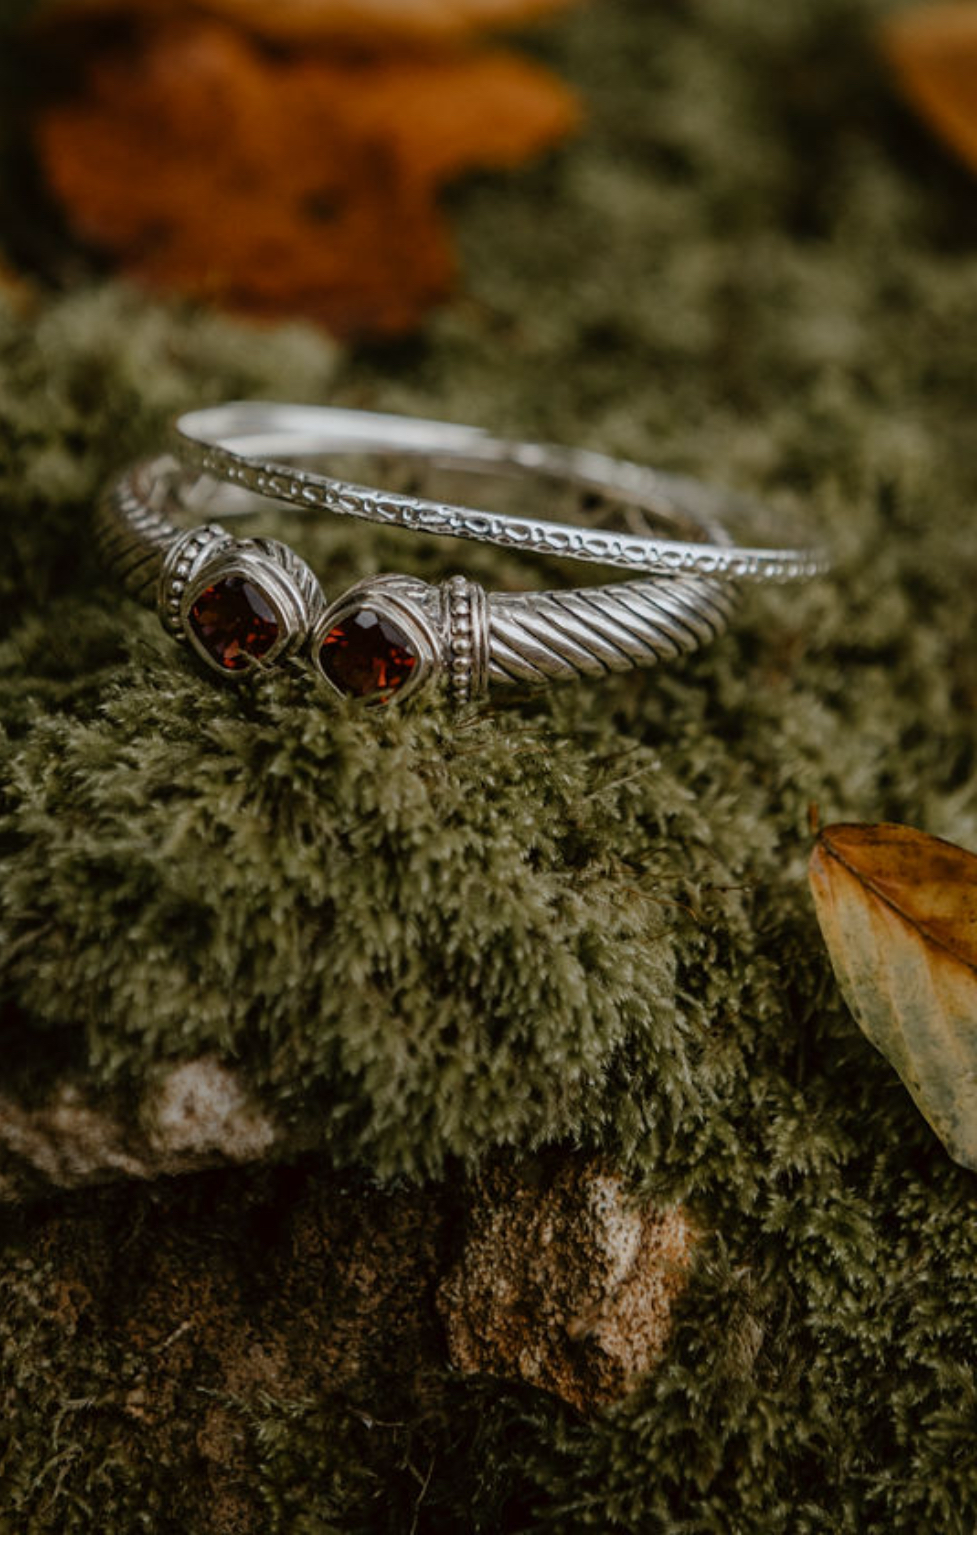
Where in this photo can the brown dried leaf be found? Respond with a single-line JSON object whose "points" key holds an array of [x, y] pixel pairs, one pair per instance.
{"points": [[293, 185], [364, 22], [898, 912], [934, 52]]}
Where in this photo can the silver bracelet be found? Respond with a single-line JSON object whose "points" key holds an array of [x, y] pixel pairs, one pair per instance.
{"points": [[249, 603], [252, 445]]}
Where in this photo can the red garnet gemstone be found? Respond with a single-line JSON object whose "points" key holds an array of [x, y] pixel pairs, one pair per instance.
{"points": [[234, 622], [365, 654]]}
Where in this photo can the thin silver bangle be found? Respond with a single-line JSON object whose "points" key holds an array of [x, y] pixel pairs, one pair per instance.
{"points": [[253, 445]]}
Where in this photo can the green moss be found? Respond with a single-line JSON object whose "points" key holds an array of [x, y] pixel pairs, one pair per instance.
{"points": [[584, 920]]}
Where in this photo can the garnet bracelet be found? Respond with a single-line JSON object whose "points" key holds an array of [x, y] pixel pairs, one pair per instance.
{"points": [[249, 603]]}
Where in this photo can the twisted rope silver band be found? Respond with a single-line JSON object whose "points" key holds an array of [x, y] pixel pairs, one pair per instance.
{"points": [[471, 639], [252, 445]]}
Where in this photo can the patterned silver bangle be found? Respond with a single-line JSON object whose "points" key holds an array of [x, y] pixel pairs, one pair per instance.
{"points": [[253, 445], [244, 604]]}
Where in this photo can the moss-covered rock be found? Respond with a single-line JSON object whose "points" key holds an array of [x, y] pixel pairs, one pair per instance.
{"points": [[413, 939]]}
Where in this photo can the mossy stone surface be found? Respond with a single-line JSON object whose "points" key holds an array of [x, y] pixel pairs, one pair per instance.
{"points": [[581, 922]]}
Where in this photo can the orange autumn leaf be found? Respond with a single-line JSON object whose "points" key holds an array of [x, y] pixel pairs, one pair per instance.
{"points": [[364, 22], [292, 184], [933, 49], [898, 912]]}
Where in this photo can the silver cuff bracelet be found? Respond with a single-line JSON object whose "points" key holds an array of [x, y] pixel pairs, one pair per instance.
{"points": [[245, 604]]}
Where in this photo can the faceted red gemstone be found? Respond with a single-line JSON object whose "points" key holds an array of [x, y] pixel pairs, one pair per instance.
{"points": [[366, 654], [234, 622]]}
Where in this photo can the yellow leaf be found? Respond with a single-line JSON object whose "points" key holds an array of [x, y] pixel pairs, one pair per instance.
{"points": [[933, 49], [898, 912]]}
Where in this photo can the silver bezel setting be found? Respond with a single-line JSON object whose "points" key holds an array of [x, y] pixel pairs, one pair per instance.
{"points": [[407, 603], [206, 556]]}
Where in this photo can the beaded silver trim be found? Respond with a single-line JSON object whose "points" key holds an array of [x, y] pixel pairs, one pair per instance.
{"points": [[468, 646]]}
